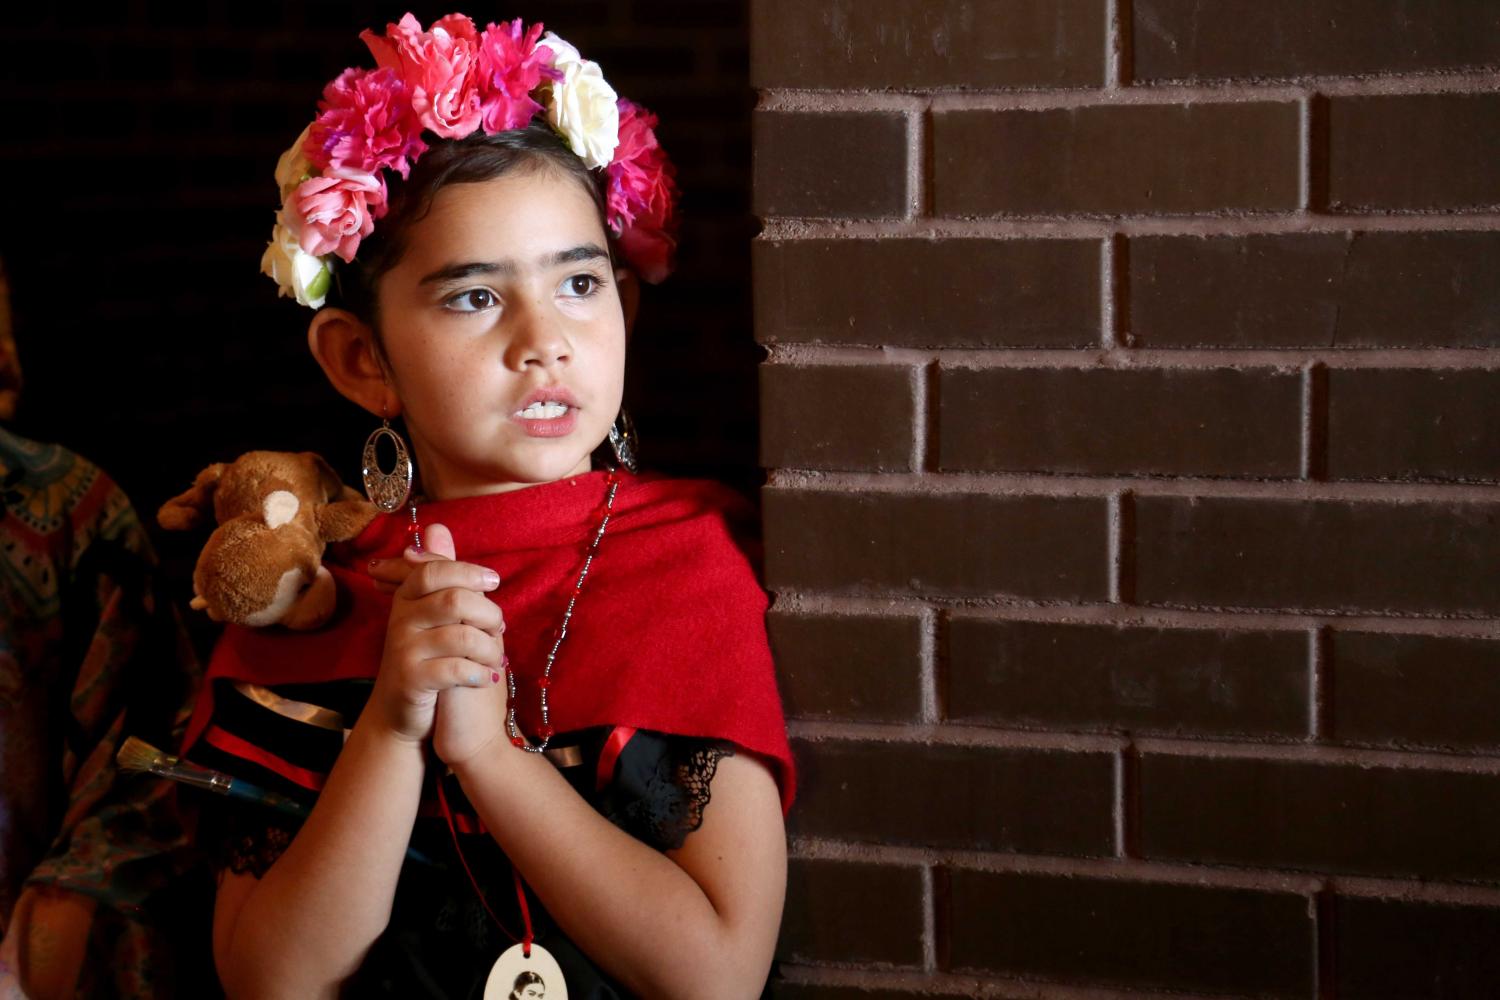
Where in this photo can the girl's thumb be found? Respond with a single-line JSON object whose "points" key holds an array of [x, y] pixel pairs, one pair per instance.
{"points": [[437, 540]]}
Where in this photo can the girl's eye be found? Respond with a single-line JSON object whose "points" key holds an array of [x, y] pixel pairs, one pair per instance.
{"points": [[474, 300], [581, 286]]}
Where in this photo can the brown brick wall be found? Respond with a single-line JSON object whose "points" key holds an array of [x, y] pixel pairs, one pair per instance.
{"points": [[1133, 514]]}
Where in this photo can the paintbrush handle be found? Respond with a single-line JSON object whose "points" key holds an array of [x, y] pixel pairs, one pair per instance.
{"points": [[243, 790]]}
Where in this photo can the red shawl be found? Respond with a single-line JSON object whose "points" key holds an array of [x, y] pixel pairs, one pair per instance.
{"points": [[668, 633]]}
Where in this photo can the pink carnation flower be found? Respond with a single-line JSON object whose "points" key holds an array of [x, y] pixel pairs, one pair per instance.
{"points": [[510, 67], [439, 65], [365, 122], [332, 213], [642, 194]]}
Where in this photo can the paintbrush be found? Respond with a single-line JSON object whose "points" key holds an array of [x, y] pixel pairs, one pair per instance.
{"points": [[138, 755]]}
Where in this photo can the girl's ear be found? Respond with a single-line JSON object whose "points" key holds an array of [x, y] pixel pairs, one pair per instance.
{"points": [[345, 348], [629, 287]]}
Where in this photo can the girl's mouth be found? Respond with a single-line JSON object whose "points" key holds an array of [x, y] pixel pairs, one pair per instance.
{"points": [[545, 410], [547, 419]]}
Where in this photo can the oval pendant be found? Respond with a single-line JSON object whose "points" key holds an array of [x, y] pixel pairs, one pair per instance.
{"points": [[387, 490], [516, 977]]}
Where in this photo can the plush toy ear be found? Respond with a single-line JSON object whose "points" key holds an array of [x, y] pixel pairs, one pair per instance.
{"points": [[333, 486], [344, 519], [191, 509]]}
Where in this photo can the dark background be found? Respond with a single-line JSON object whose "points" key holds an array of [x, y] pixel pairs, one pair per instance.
{"points": [[137, 164]]}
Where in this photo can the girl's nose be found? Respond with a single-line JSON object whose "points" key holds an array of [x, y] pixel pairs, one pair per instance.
{"points": [[538, 339]]}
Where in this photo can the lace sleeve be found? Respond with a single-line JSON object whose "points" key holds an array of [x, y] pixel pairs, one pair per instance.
{"points": [[661, 786], [248, 840]]}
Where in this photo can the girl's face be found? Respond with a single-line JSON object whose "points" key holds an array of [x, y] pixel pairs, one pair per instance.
{"points": [[504, 292]]}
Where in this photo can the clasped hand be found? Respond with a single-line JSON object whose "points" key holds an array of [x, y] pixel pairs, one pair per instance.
{"points": [[441, 675]]}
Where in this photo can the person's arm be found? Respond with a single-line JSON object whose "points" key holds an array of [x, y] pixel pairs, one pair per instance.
{"points": [[304, 928], [698, 921]]}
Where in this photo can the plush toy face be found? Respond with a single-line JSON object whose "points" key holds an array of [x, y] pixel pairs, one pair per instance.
{"points": [[275, 511]]}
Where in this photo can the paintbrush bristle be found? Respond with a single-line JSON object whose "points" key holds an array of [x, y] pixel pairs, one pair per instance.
{"points": [[138, 755]]}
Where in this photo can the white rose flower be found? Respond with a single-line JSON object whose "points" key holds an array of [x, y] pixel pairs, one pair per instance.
{"points": [[297, 274], [292, 168], [581, 105]]}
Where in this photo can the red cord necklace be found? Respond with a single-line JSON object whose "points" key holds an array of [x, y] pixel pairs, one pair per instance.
{"points": [[526, 962]]}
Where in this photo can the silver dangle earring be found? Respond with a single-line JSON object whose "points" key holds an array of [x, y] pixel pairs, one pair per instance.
{"points": [[623, 440], [387, 490]]}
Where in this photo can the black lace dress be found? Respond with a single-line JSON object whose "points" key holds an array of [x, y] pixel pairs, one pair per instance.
{"points": [[440, 941]]}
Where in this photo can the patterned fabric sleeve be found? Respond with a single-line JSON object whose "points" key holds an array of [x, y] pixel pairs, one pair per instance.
{"points": [[90, 652]]}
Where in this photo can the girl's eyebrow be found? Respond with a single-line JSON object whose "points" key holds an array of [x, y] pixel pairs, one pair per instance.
{"points": [[507, 268]]}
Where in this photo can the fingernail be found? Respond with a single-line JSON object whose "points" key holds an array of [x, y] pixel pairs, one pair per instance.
{"points": [[374, 563], [502, 628], [491, 578], [494, 677]]}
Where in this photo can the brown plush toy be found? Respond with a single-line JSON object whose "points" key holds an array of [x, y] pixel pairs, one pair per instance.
{"points": [[275, 511]]}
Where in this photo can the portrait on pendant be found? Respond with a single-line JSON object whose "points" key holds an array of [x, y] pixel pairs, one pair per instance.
{"points": [[517, 977], [529, 986]]}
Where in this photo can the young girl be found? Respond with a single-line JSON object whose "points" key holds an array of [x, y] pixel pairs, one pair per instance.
{"points": [[540, 736]]}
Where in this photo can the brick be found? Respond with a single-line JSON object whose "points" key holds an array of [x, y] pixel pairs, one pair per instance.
{"points": [[961, 544], [929, 293], [783, 990], [852, 911], [1351, 289], [1391, 948], [1119, 160], [1325, 817], [1104, 677], [1318, 555], [1183, 40], [850, 417], [1414, 152], [1113, 931], [893, 44], [829, 164], [1221, 421], [937, 795], [1416, 690], [855, 667], [1413, 424]]}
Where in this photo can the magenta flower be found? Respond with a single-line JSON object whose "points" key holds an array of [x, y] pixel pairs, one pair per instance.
{"points": [[649, 251], [510, 67], [365, 122], [439, 66], [642, 194], [334, 212]]}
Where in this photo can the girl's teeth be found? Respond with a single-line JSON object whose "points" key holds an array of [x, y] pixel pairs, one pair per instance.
{"points": [[544, 411]]}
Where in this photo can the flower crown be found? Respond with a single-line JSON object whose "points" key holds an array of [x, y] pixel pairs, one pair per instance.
{"points": [[452, 80]]}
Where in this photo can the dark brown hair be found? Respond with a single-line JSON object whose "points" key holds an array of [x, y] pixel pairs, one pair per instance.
{"points": [[478, 157]]}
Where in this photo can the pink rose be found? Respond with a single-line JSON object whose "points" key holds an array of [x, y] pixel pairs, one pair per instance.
{"points": [[365, 122], [510, 67], [440, 68], [332, 213]]}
